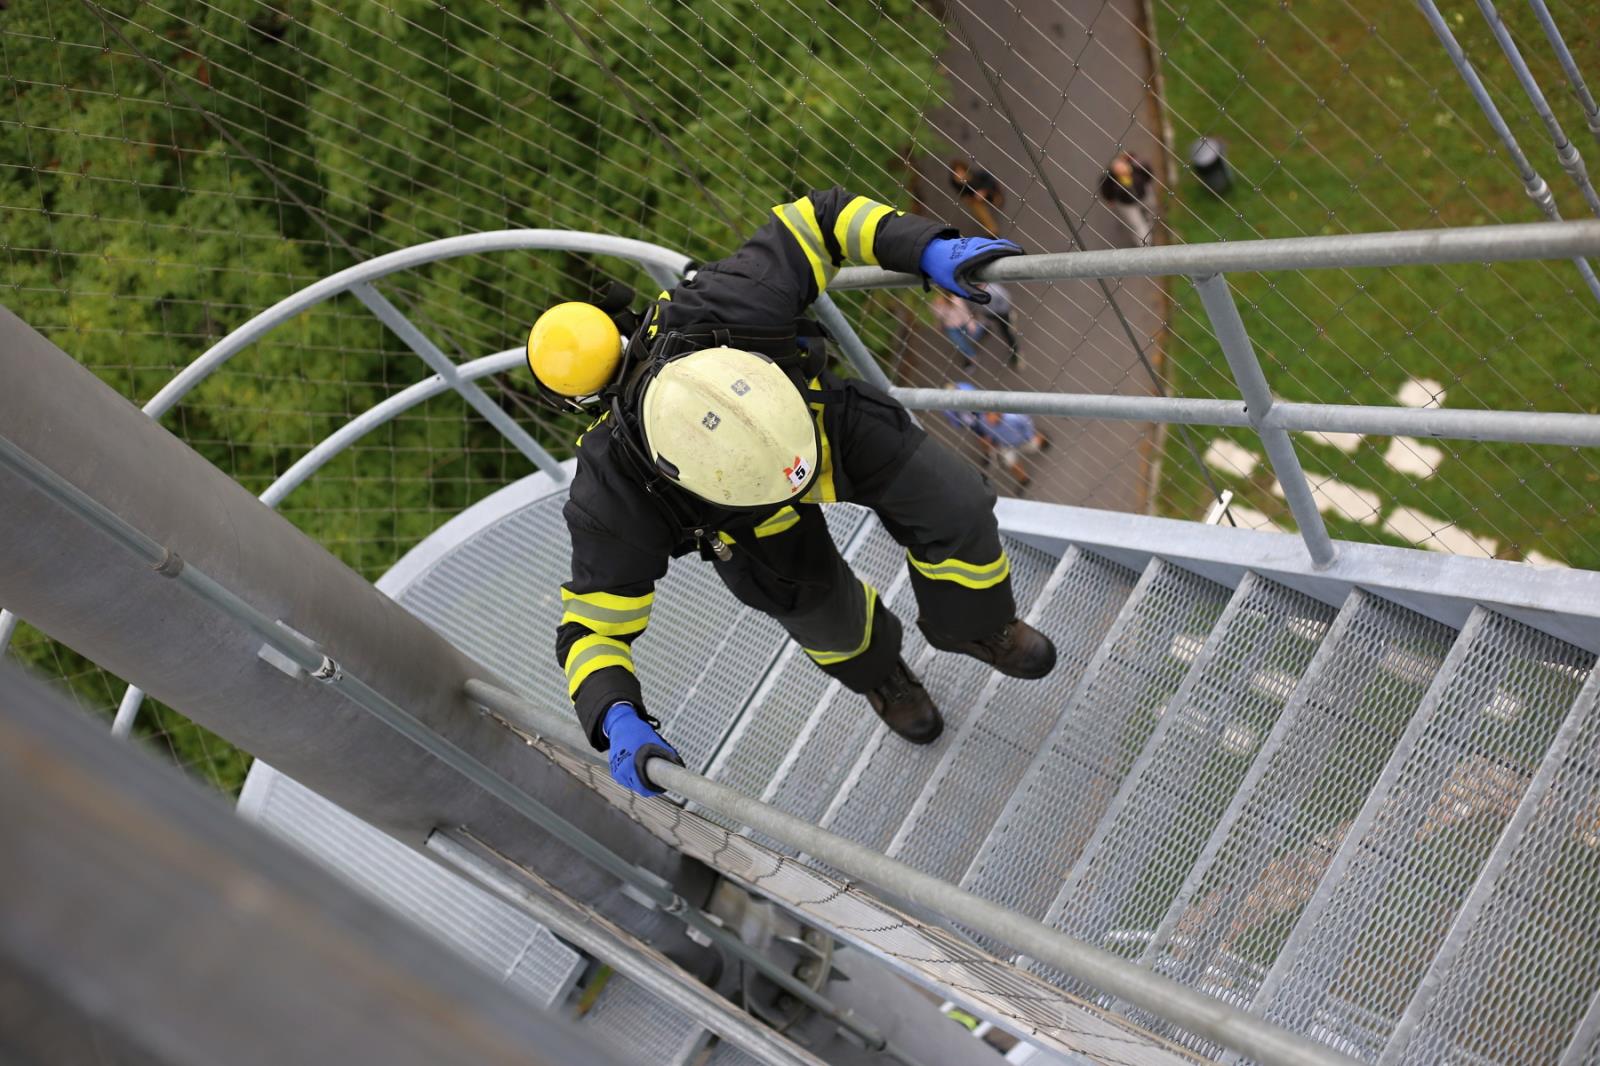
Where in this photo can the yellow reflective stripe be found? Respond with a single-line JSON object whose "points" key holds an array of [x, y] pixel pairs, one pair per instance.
{"points": [[822, 489], [970, 575], [828, 658], [592, 653], [784, 519], [869, 233], [604, 612], [801, 219]]}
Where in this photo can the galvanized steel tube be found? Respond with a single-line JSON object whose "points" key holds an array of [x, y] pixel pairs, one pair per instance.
{"points": [[1185, 1007]]}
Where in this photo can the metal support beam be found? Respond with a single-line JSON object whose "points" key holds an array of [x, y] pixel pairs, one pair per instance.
{"points": [[1241, 356], [635, 961], [1185, 1007], [441, 364], [849, 341], [1532, 183], [310, 658], [8, 628], [1558, 44], [1566, 151]]}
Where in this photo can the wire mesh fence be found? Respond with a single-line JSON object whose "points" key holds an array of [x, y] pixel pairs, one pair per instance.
{"points": [[171, 169]]}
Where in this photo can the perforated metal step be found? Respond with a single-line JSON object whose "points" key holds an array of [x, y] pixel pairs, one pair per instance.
{"points": [[1525, 958], [641, 1027], [521, 953], [1190, 770], [989, 753], [1411, 856], [764, 745], [888, 773], [1066, 790], [1309, 778]]}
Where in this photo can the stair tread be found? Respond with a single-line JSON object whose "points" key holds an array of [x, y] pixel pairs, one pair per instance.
{"points": [[1124, 881], [984, 761], [1063, 794], [1412, 856], [631, 1020], [888, 773]]}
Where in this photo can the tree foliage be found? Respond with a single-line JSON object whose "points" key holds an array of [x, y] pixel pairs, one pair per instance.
{"points": [[174, 169]]}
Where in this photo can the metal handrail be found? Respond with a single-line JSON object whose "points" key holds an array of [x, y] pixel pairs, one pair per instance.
{"points": [[1185, 1007]]}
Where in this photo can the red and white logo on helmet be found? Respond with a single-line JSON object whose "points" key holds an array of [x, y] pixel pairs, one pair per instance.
{"points": [[797, 472]]}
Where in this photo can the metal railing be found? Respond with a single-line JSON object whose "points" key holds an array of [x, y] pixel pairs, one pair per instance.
{"points": [[1207, 264], [1226, 1024]]}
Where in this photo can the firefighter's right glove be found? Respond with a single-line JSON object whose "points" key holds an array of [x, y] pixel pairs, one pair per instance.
{"points": [[633, 740], [949, 262]]}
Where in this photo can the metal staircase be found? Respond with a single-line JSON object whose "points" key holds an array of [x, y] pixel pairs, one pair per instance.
{"points": [[1331, 813]]}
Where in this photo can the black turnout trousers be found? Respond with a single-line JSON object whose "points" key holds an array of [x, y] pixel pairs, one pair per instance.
{"points": [[940, 510]]}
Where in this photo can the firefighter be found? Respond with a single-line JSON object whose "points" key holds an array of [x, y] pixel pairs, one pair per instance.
{"points": [[721, 432]]}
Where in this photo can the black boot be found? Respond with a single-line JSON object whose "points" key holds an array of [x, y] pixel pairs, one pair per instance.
{"points": [[1016, 650], [905, 707]]}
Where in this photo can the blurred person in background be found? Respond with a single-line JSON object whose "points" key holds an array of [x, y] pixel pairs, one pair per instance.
{"points": [[1013, 436], [998, 312], [1127, 188], [979, 192], [956, 319]]}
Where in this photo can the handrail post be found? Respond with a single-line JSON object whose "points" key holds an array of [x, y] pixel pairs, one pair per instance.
{"points": [[1241, 355], [850, 343], [406, 330]]}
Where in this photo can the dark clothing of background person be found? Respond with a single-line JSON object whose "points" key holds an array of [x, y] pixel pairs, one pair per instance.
{"points": [[781, 560]]}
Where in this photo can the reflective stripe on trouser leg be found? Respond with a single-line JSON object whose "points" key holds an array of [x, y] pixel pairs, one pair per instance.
{"points": [[942, 511]]}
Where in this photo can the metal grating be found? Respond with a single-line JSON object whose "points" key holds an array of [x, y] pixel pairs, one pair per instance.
{"points": [[1192, 767], [1530, 962], [1065, 792], [888, 774], [478, 925], [497, 597], [1415, 850], [844, 721], [985, 760], [763, 739], [634, 1022], [1269, 850]]}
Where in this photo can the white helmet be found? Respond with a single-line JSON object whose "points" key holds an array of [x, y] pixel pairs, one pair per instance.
{"points": [[731, 428]]}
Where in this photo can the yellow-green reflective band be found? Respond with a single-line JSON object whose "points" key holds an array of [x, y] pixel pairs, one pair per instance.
{"points": [[592, 653], [603, 612], [851, 224], [822, 489], [869, 232], [828, 658], [970, 575], [801, 219], [784, 519]]}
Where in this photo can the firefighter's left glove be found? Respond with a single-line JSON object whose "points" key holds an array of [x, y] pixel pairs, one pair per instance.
{"points": [[950, 262], [633, 741]]}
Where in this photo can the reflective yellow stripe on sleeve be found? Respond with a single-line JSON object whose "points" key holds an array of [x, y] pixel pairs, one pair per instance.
{"points": [[829, 658], [822, 489], [592, 653], [857, 226], [784, 519], [970, 575], [800, 218], [607, 613]]}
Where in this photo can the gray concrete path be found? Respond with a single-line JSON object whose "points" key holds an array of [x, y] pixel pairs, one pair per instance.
{"points": [[1076, 76]]}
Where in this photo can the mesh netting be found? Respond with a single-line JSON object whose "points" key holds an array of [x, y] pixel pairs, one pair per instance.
{"points": [[172, 169]]}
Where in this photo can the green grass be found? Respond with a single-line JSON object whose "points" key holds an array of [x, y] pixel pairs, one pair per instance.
{"points": [[1345, 118]]}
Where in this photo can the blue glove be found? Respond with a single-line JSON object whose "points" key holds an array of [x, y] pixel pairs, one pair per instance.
{"points": [[633, 740], [950, 261]]}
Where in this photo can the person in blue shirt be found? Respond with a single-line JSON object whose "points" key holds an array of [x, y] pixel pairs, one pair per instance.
{"points": [[1012, 436]]}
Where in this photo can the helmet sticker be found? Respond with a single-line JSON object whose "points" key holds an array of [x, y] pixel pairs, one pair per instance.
{"points": [[797, 472], [711, 420], [739, 387]]}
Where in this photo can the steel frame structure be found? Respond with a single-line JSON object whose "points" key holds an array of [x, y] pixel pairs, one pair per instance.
{"points": [[1206, 264]]}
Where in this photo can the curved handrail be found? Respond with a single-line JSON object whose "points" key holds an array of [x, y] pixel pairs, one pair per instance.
{"points": [[506, 240]]}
